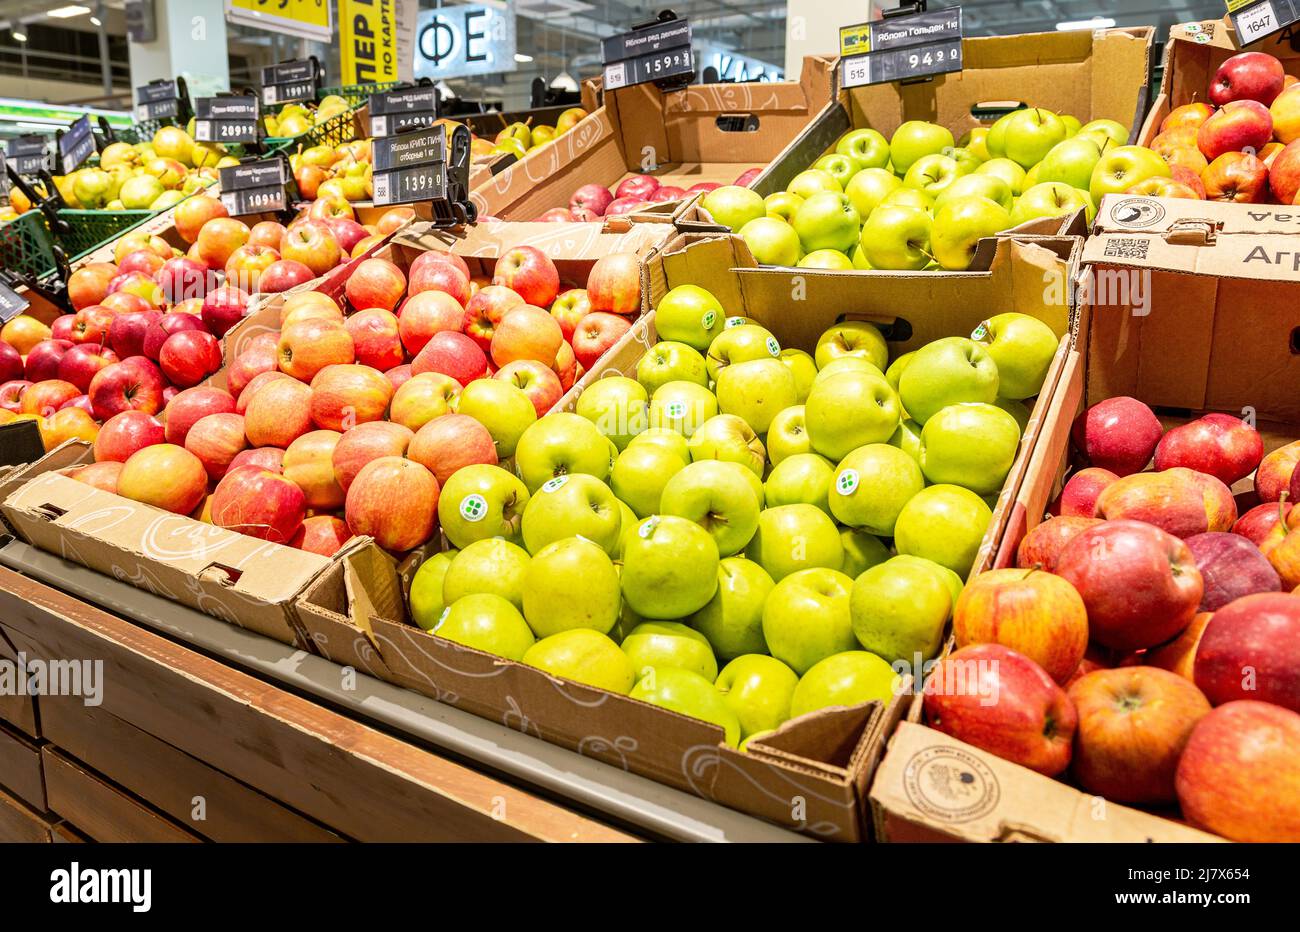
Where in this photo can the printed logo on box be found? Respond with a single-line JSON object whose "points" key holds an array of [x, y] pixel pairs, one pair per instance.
{"points": [[1137, 213], [950, 785]]}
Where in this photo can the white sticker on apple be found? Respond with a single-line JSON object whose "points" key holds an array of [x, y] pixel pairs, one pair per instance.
{"points": [[442, 619], [980, 332], [773, 346], [550, 485], [734, 322], [675, 409], [473, 507], [708, 319], [648, 527], [846, 483]]}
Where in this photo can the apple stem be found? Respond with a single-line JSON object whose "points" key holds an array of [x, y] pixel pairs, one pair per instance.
{"points": [[1031, 571]]}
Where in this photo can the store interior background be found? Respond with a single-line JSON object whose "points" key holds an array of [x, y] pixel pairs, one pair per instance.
{"points": [[80, 54]]}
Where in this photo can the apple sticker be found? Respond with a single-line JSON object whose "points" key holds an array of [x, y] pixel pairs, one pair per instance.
{"points": [[474, 507]]}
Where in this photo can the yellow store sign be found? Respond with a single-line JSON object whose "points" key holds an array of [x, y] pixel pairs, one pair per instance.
{"points": [[369, 33], [308, 19]]}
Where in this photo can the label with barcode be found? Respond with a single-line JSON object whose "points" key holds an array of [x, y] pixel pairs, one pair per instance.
{"points": [[1258, 20], [651, 53], [290, 82], [77, 144], [27, 154], [156, 100], [226, 119], [406, 185], [402, 108], [901, 48], [11, 303], [255, 187]]}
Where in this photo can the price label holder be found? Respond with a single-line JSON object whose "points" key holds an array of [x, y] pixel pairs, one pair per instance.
{"points": [[1257, 19], [76, 144], [430, 164], [157, 100], [257, 186], [403, 108], [290, 82], [658, 51], [11, 302], [27, 154], [20, 443], [905, 46], [226, 119]]}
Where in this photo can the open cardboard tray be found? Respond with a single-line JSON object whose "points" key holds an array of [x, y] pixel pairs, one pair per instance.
{"points": [[705, 132], [1185, 304], [810, 775]]}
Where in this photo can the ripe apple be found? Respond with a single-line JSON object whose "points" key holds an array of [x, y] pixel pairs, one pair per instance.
{"points": [[422, 398], [309, 463], [790, 538], [561, 443], [617, 406], [804, 478], [1255, 76], [192, 214], [1231, 567], [871, 485], [375, 283], [428, 313], [1249, 651], [848, 410], [124, 433], [1275, 472], [312, 243], [216, 439], [449, 443], [367, 442], [971, 445], [44, 360], [915, 139], [162, 327], [187, 357], [1219, 445], [584, 656], [189, 406], [165, 476], [480, 501], [949, 371], [397, 523], [1178, 500], [283, 275], [807, 617], [758, 689], [260, 503], [526, 332], [1256, 523], [308, 346], [691, 315], [218, 237], [670, 361], [343, 396], [734, 206], [102, 476], [713, 494], [1121, 167], [772, 241], [1079, 497], [592, 197], [534, 379], [732, 620], [670, 568], [451, 354], [530, 273], [1238, 126], [90, 325], [1119, 434], [493, 567], [45, 398], [322, 534], [945, 524], [614, 284], [569, 308], [502, 408], [133, 383], [1236, 177], [568, 506], [278, 414]]}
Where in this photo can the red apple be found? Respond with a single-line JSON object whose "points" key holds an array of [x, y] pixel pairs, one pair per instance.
{"points": [[124, 433], [427, 313], [44, 398], [344, 396], [91, 324], [308, 346], [61, 329], [530, 273], [624, 205], [313, 244], [138, 284], [1275, 472], [375, 283], [394, 219], [534, 379], [1251, 650], [565, 366], [44, 359], [1231, 567], [102, 476], [451, 442], [452, 354], [11, 394], [216, 440], [1004, 703], [165, 476], [225, 307], [435, 271], [193, 214], [134, 383], [665, 193], [267, 233], [1236, 177], [746, 178], [1255, 524], [485, 311], [399, 376], [1118, 434], [80, 363], [278, 414], [159, 330], [259, 356], [596, 333], [309, 463], [396, 522], [90, 284], [142, 260], [189, 356], [127, 332], [367, 442], [1220, 445], [526, 332], [1284, 174], [591, 197], [1254, 76], [322, 534], [283, 275], [1180, 501], [259, 503], [347, 231], [376, 338], [271, 458], [614, 284], [1239, 126], [556, 215], [568, 308], [189, 406], [1079, 497], [254, 384], [639, 186]]}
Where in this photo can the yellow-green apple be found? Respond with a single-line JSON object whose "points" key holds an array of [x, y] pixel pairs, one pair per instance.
{"points": [[896, 237], [716, 496], [838, 166], [1240, 125], [1236, 177], [804, 478], [485, 622], [804, 369], [915, 139], [453, 354], [682, 406], [421, 399], [670, 568], [810, 182], [165, 476], [376, 338], [908, 438], [595, 334], [640, 473], [216, 440], [1119, 434], [848, 410], [1237, 775], [772, 241], [618, 406], [397, 522], [987, 186], [1072, 161], [975, 140], [1079, 496], [536, 380], [559, 444], [862, 551], [758, 688], [865, 191], [1007, 170], [494, 567], [971, 445], [867, 147], [584, 656], [781, 205], [689, 314], [827, 220], [960, 224], [671, 361], [806, 617], [246, 264], [900, 607], [732, 620], [831, 259], [568, 506], [367, 442], [278, 414], [848, 678], [1139, 584], [260, 503], [952, 370], [135, 383], [1231, 567], [852, 338], [871, 485], [309, 463], [344, 396], [1029, 135], [687, 693], [1219, 445], [1002, 702], [1120, 168], [728, 438], [932, 174], [568, 119], [756, 391], [1254, 76], [1023, 348], [656, 645], [943, 523], [502, 408], [1250, 650], [449, 443], [124, 433], [791, 538], [734, 206], [1113, 130], [1178, 500], [1034, 612]]}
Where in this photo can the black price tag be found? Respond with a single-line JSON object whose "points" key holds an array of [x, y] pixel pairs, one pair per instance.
{"points": [[77, 144], [20, 443], [410, 167], [255, 187], [290, 82], [403, 108], [226, 119], [27, 154], [11, 303], [651, 53], [157, 100], [1255, 19], [899, 48]]}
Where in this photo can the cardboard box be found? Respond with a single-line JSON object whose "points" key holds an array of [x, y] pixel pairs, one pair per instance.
{"points": [[706, 132], [811, 774]]}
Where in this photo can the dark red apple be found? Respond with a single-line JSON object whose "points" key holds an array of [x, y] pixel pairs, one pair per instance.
{"points": [[1251, 650], [44, 358], [223, 308], [1231, 567], [1119, 434], [126, 333], [158, 331], [1220, 445]]}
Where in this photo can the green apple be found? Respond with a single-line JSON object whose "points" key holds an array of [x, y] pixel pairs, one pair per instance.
{"points": [[804, 369], [932, 174], [1030, 134], [967, 161], [682, 406], [909, 197], [1049, 199], [756, 391], [866, 147], [627, 526], [426, 598], [1007, 170], [914, 140], [859, 258], [502, 408], [1031, 178], [861, 552], [732, 621], [849, 410], [758, 689], [869, 187], [897, 238], [575, 505], [719, 498], [1072, 161], [560, 444], [655, 645], [971, 445], [481, 501], [806, 617], [831, 259], [846, 364], [1120, 168], [804, 478], [844, 679], [895, 371], [486, 622], [908, 438], [772, 241], [782, 205], [584, 656], [689, 314], [640, 474], [996, 140], [618, 406], [664, 437], [958, 227], [571, 583], [670, 569], [871, 485], [1023, 348], [827, 221], [728, 438], [688, 694], [1016, 409], [740, 344], [943, 523], [1116, 132], [900, 609], [813, 181], [852, 338], [493, 565], [950, 579], [838, 166], [977, 185], [733, 206], [973, 140], [670, 361], [947, 372], [791, 538], [787, 436], [1072, 124]]}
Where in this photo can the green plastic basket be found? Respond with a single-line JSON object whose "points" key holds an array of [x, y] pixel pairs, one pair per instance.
{"points": [[27, 246], [357, 94], [336, 130], [90, 229]]}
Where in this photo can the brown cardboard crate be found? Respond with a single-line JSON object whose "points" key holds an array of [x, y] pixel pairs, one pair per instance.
{"points": [[101, 810], [20, 768]]}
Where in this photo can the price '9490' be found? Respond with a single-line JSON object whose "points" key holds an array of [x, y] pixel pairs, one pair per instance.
{"points": [[935, 57]]}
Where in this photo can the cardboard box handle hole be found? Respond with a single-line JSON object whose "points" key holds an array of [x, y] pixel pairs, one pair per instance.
{"points": [[737, 123], [51, 512], [221, 574], [894, 329], [990, 111], [1295, 342]]}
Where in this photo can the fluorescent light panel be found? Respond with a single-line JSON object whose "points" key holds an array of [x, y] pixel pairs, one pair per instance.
{"points": [[1097, 22], [67, 12]]}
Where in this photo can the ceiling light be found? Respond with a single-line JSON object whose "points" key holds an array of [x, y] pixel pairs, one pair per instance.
{"points": [[523, 59], [564, 82], [19, 35], [66, 12], [1097, 22], [96, 21]]}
